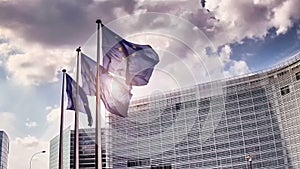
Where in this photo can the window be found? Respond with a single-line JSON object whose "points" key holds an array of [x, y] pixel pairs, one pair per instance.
{"points": [[285, 90], [282, 73], [178, 106], [139, 162], [297, 76]]}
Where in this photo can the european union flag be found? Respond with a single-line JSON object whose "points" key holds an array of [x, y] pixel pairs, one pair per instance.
{"points": [[133, 61], [114, 92], [83, 100], [88, 75]]}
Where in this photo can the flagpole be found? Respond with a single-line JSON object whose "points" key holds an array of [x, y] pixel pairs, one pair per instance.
{"points": [[76, 133], [61, 136], [98, 161]]}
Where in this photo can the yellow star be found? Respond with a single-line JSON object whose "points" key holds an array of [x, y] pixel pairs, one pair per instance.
{"points": [[120, 49], [133, 55], [134, 47]]}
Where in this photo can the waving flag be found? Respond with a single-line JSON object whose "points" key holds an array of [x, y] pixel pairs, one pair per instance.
{"points": [[114, 92], [88, 75], [83, 100], [132, 61]]}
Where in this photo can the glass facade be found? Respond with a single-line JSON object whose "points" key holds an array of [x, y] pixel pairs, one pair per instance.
{"points": [[54, 150], [4, 150], [86, 150], [214, 125]]}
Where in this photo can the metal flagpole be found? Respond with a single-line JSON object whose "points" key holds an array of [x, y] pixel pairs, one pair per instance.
{"points": [[61, 136], [98, 161], [76, 133]]}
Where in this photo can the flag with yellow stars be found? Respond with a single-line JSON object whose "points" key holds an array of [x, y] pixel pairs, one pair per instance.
{"points": [[114, 92], [132, 61]]}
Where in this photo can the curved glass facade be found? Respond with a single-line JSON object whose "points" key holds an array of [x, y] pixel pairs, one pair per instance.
{"points": [[4, 150], [215, 125]]}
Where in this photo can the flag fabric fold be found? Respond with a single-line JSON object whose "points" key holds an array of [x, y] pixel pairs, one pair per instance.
{"points": [[133, 61], [114, 92], [88, 75], [83, 100]]}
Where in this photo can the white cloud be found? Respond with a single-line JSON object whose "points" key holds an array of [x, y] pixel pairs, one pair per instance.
{"points": [[237, 68], [6, 49], [232, 67], [54, 115], [31, 63], [28, 141], [48, 108], [285, 14], [30, 124], [22, 149], [239, 19], [7, 121], [53, 122], [37, 66], [225, 54]]}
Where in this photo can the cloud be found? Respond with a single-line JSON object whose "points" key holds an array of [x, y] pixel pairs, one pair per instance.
{"points": [[28, 141], [285, 14], [7, 121], [6, 49], [37, 66], [298, 32], [30, 124], [225, 54], [59, 23], [53, 122], [52, 25], [48, 108], [232, 21], [23, 148], [237, 68], [251, 19], [54, 115], [232, 67]]}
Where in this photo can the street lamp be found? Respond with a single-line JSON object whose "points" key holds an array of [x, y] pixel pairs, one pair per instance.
{"points": [[40, 152], [250, 158]]}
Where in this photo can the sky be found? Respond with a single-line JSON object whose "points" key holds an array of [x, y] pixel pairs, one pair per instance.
{"points": [[38, 39]]}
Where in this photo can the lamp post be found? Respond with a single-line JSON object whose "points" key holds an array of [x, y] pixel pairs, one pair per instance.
{"points": [[250, 158], [40, 152]]}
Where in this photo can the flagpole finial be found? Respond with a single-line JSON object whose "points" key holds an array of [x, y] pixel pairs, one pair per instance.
{"points": [[78, 49], [64, 70], [98, 21]]}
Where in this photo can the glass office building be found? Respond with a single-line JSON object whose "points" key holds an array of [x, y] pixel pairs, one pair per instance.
{"points": [[86, 150], [214, 125], [4, 150], [54, 150]]}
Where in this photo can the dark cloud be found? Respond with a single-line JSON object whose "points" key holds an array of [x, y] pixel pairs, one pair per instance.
{"points": [[72, 22], [59, 22]]}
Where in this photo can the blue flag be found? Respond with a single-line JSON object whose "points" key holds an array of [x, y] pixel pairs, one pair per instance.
{"points": [[133, 61], [88, 75], [83, 100], [114, 92]]}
